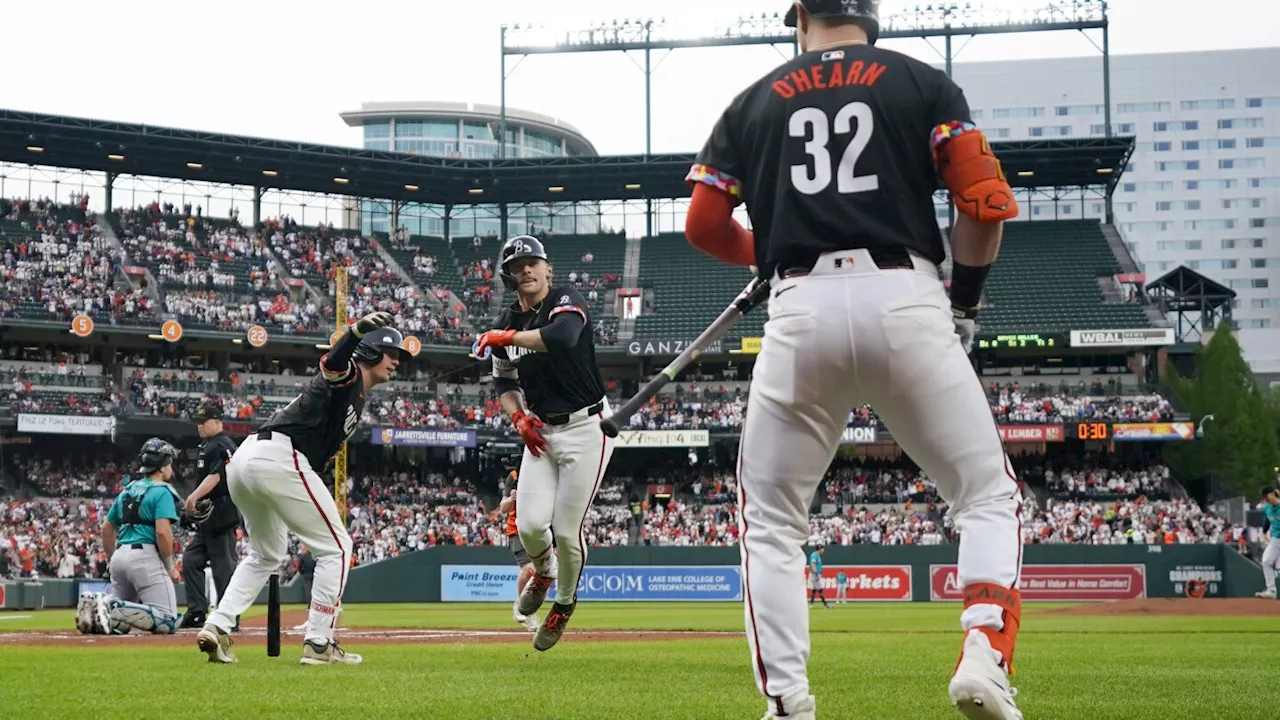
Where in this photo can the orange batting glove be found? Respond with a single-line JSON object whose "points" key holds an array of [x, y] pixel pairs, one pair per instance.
{"points": [[528, 425], [494, 338]]}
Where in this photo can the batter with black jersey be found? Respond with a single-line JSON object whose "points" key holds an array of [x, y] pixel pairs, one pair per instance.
{"points": [[274, 480], [544, 368], [213, 543], [836, 154]]}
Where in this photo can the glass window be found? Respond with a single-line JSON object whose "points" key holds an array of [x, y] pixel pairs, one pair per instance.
{"points": [[1230, 264], [1160, 127], [477, 131], [1068, 209], [1062, 110], [1257, 262], [377, 144], [1219, 104], [1191, 204], [1126, 128], [1035, 131], [1164, 206], [999, 133], [1264, 182], [1193, 264], [1263, 303], [1228, 243], [1145, 107], [377, 130], [1262, 102], [1227, 144], [1260, 283], [1161, 146], [975, 114], [1129, 187], [541, 143], [1167, 245], [1064, 130], [1018, 112], [1190, 144], [1259, 242], [1193, 244]]}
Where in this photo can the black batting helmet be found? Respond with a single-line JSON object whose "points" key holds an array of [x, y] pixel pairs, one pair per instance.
{"points": [[155, 454], [520, 246], [382, 340], [866, 13]]}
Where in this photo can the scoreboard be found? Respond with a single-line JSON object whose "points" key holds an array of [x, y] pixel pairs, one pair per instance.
{"points": [[1088, 430]]}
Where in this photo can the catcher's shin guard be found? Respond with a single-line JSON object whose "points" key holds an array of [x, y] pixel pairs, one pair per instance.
{"points": [[124, 615]]}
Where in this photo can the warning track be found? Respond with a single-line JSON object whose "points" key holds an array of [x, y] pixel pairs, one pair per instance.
{"points": [[361, 636]]}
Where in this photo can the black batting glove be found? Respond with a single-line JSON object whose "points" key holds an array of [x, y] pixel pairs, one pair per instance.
{"points": [[371, 322]]}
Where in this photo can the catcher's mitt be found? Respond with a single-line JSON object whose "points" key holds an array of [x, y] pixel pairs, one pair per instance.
{"points": [[204, 508]]}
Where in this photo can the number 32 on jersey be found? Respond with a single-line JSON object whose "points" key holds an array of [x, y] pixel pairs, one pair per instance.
{"points": [[813, 123]]}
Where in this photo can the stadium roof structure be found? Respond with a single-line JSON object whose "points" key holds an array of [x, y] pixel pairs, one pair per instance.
{"points": [[126, 148]]}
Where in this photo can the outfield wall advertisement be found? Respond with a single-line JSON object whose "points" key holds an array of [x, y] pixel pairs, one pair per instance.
{"points": [[867, 583], [659, 583], [1059, 583]]}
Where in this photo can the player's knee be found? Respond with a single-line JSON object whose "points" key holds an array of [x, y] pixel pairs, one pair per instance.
{"points": [[569, 542]]}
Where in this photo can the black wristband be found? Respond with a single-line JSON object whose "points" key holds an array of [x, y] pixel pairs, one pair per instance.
{"points": [[966, 285]]}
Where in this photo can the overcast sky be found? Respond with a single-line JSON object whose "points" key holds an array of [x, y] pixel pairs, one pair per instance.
{"points": [[286, 68]]}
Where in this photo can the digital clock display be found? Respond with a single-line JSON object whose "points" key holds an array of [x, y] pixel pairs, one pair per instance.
{"points": [[1089, 431]]}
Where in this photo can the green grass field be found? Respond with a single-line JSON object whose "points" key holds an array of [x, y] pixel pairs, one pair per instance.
{"points": [[873, 661]]}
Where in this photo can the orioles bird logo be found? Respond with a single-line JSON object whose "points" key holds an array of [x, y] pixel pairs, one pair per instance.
{"points": [[1196, 588]]}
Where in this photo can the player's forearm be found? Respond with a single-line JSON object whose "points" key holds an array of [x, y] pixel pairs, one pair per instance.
{"points": [[108, 538], [338, 359], [164, 543], [531, 339], [512, 402], [210, 482], [975, 246], [710, 227]]}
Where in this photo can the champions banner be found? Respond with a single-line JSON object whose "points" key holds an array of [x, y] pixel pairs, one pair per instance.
{"points": [[673, 583], [423, 438], [66, 424], [1159, 432]]}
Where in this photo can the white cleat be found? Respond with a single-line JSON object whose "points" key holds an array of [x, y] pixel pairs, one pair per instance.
{"points": [[327, 653], [806, 708], [980, 688], [530, 622], [100, 607], [216, 644], [85, 611], [1268, 594]]}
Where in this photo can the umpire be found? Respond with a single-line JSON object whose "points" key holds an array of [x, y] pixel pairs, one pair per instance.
{"points": [[214, 540]]}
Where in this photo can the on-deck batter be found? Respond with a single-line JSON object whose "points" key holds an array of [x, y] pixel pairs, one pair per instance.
{"points": [[544, 357], [274, 480], [836, 155]]}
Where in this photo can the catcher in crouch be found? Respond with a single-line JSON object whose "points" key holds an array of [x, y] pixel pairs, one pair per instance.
{"points": [[138, 537]]}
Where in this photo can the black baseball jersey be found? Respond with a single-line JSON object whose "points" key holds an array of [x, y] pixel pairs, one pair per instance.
{"points": [[324, 416], [215, 453], [558, 381], [831, 151]]}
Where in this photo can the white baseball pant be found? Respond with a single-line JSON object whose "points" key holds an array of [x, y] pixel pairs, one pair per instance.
{"points": [[276, 490], [1270, 557], [846, 334], [555, 491]]}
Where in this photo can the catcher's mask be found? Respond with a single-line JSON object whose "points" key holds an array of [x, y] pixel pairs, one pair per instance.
{"points": [[155, 454]]}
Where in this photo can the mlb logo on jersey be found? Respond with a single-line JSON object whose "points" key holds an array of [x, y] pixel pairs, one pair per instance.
{"points": [[832, 55]]}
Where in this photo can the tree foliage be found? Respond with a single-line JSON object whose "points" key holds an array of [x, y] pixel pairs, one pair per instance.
{"points": [[1240, 442]]}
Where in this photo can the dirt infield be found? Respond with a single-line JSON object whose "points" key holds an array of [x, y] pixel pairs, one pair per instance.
{"points": [[250, 635], [1176, 606]]}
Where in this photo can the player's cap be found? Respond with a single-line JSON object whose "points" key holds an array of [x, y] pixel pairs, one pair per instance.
{"points": [[520, 246], [208, 411], [380, 341], [1267, 490], [865, 12]]}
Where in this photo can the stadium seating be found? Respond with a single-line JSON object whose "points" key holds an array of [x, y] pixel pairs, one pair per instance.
{"points": [[1046, 280], [690, 289]]}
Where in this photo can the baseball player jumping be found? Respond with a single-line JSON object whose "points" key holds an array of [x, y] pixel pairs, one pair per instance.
{"points": [[836, 154], [138, 537], [544, 367], [1271, 556], [511, 529], [274, 481]]}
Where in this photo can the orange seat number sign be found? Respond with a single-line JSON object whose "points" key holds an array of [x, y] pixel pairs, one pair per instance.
{"points": [[335, 337], [257, 336], [82, 326], [171, 330], [413, 345]]}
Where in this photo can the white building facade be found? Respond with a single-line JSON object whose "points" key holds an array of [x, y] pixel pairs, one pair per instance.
{"points": [[1203, 186]]}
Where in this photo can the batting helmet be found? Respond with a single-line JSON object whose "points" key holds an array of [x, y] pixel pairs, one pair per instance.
{"points": [[155, 454], [520, 246], [382, 340], [866, 13]]}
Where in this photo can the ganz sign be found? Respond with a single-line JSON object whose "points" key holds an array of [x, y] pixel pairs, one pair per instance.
{"points": [[667, 347]]}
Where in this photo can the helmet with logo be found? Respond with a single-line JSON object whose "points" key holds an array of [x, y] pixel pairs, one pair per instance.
{"points": [[382, 340], [155, 454], [520, 246], [866, 13]]}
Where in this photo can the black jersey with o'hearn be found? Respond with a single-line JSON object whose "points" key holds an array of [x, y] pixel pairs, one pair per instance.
{"points": [[830, 151], [565, 378], [327, 411], [215, 453]]}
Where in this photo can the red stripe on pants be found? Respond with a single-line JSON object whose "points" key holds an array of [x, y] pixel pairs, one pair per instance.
{"points": [[342, 578], [599, 474]]}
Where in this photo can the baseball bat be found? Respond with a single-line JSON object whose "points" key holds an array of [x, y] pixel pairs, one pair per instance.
{"points": [[273, 616], [751, 296]]}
